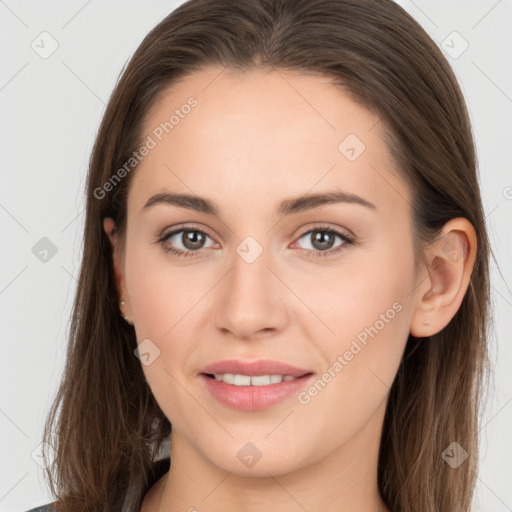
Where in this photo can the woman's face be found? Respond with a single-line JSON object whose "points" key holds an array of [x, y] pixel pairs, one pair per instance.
{"points": [[272, 273]]}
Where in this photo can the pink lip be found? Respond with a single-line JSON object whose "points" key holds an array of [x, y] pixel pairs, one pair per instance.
{"points": [[263, 367], [254, 398]]}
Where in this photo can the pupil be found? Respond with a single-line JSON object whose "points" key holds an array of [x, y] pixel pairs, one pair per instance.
{"points": [[319, 239], [192, 239]]}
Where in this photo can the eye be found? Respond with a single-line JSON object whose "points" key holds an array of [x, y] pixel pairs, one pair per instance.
{"points": [[322, 239], [191, 240]]}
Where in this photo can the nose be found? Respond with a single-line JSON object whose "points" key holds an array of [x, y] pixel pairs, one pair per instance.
{"points": [[251, 300]]}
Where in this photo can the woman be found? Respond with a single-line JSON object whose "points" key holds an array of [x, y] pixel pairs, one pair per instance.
{"points": [[285, 259]]}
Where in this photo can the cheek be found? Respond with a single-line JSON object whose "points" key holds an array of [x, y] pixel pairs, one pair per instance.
{"points": [[361, 360], [369, 290], [168, 306], [160, 290], [164, 306], [365, 315]]}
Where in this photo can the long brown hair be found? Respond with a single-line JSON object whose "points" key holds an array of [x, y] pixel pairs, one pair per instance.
{"points": [[105, 426]]}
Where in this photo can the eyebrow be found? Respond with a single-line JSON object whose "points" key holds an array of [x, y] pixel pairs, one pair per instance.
{"points": [[286, 207]]}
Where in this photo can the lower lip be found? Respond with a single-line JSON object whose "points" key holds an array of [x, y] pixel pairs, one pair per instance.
{"points": [[253, 398]]}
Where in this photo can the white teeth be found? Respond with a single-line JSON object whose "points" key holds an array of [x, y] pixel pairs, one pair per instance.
{"points": [[242, 380], [255, 380], [264, 380]]}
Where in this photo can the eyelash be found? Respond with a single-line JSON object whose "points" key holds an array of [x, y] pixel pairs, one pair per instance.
{"points": [[348, 240]]}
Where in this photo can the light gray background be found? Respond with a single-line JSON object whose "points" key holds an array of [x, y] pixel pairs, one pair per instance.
{"points": [[50, 111]]}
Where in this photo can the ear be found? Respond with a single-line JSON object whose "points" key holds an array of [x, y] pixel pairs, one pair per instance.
{"points": [[440, 293], [111, 230], [117, 261]]}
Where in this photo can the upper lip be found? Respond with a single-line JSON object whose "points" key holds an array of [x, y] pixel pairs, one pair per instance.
{"points": [[262, 367]]}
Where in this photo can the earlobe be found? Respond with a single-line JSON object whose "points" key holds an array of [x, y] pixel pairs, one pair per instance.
{"points": [[440, 293]]}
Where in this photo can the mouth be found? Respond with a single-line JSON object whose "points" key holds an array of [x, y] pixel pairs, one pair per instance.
{"points": [[253, 386], [251, 380]]}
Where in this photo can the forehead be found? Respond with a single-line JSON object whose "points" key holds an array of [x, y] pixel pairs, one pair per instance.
{"points": [[262, 135]]}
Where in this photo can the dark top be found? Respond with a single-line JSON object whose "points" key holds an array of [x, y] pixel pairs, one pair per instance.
{"points": [[160, 467]]}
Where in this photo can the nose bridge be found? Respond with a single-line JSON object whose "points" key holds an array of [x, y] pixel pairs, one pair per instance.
{"points": [[249, 274], [250, 300]]}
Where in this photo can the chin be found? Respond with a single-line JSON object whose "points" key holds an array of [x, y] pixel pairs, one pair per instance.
{"points": [[258, 458]]}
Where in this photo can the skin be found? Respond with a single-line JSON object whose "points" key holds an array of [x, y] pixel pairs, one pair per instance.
{"points": [[254, 140]]}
